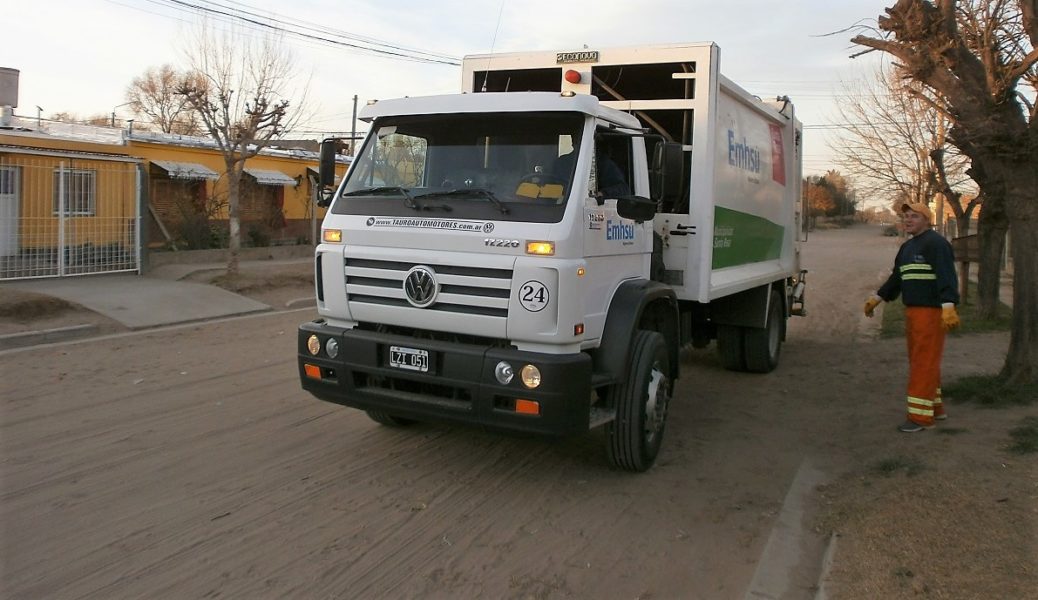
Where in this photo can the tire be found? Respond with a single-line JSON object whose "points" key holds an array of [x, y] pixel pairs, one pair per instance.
{"points": [[633, 439], [384, 418], [730, 347], [763, 346]]}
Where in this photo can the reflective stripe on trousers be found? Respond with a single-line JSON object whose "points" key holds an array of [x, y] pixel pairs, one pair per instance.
{"points": [[924, 332]]}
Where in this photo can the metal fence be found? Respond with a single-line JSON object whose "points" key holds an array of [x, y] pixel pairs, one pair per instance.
{"points": [[68, 215]]}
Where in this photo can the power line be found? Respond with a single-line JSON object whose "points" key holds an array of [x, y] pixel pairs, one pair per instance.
{"points": [[309, 32], [336, 32]]}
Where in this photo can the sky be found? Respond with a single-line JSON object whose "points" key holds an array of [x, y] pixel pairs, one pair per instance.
{"points": [[79, 56]]}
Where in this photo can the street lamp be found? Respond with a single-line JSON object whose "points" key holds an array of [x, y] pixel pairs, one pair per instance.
{"points": [[118, 106]]}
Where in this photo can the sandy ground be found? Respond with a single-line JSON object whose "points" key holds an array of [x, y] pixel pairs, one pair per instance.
{"points": [[187, 463]]}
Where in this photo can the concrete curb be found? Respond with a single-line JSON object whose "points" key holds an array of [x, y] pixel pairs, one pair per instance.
{"points": [[30, 338], [827, 564], [790, 546], [305, 301]]}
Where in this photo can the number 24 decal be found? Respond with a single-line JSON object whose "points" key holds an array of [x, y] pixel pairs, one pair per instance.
{"points": [[533, 295]]}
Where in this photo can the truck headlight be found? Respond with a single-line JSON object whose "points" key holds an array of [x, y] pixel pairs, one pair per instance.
{"points": [[331, 347], [313, 344], [531, 376]]}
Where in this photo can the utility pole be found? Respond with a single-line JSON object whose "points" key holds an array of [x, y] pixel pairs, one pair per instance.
{"points": [[353, 128]]}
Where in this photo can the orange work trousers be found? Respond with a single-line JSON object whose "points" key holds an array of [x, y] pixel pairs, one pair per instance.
{"points": [[924, 331]]}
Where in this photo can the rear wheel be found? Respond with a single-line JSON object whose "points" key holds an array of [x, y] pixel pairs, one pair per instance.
{"points": [[633, 438], [384, 418], [730, 347], [763, 346]]}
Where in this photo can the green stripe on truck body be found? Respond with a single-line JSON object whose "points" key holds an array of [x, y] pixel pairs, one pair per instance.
{"points": [[741, 238]]}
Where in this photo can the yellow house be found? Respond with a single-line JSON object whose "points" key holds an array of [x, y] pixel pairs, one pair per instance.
{"points": [[66, 208], [187, 179], [85, 199]]}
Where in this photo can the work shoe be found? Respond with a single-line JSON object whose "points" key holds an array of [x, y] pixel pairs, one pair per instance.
{"points": [[941, 416], [912, 427]]}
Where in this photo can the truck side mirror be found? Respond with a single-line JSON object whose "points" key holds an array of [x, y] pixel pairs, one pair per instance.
{"points": [[326, 171], [667, 167], [327, 168], [636, 208]]}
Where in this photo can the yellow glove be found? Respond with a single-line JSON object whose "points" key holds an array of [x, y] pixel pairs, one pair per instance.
{"points": [[949, 316], [871, 304]]}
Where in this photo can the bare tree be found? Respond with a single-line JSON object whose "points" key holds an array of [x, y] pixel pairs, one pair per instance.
{"points": [[978, 58], [241, 92], [71, 117], [895, 144], [154, 95]]}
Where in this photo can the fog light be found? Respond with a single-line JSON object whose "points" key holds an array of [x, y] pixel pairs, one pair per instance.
{"points": [[331, 347], [504, 373], [531, 376], [313, 345]]}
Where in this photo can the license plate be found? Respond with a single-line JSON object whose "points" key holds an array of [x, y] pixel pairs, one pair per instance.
{"points": [[411, 359]]}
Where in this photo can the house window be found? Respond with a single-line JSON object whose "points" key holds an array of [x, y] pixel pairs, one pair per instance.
{"points": [[8, 181], [80, 191]]}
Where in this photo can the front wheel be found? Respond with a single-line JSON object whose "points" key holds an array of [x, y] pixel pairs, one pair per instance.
{"points": [[633, 439]]}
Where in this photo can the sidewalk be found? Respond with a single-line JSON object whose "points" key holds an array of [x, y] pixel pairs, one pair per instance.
{"points": [[162, 297]]}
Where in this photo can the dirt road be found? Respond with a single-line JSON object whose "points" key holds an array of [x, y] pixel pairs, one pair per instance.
{"points": [[187, 463]]}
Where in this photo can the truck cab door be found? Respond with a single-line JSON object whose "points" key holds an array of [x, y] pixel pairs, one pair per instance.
{"points": [[616, 249]]}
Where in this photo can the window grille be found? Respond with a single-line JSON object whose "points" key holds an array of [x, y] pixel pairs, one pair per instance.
{"points": [[80, 190]]}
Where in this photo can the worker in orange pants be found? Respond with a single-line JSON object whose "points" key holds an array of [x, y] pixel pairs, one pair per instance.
{"points": [[924, 277], [924, 330]]}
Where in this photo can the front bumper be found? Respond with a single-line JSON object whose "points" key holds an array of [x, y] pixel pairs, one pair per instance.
{"points": [[459, 387]]}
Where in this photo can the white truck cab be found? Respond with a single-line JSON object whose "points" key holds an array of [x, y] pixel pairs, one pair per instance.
{"points": [[502, 259]]}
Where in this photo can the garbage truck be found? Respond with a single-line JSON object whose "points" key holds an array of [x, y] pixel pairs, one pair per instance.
{"points": [[533, 253]]}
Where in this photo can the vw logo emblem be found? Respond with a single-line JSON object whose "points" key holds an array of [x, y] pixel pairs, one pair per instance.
{"points": [[420, 286]]}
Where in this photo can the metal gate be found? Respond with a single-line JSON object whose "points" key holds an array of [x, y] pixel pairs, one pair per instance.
{"points": [[68, 214]]}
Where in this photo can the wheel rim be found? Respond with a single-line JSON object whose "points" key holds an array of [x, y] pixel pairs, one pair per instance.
{"points": [[656, 403]]}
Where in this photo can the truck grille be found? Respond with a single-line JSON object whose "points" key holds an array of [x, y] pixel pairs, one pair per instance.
{"points": [[463, 290]]}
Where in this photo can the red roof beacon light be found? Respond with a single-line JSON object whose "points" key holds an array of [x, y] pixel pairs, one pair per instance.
{"points": [[572, 76]]}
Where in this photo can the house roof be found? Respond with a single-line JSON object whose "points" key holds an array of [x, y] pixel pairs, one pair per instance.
{"points": [[271, 177], [67, 153], [186, 170]]}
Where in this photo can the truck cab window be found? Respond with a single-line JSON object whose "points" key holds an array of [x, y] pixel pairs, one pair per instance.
{"points": [[474, 165], [611, 174]]}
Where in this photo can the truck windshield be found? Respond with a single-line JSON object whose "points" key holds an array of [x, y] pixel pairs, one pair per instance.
{"points": [[501, 166]]}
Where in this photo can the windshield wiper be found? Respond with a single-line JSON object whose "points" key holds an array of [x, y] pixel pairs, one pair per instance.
{"points": [[385, 189], [481, 192], [408, 198]]}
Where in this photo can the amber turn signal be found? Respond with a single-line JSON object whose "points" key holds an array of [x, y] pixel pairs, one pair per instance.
{"points": [[527, 407]]}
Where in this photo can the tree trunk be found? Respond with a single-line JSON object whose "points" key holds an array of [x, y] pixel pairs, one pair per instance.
{"points": [[962, 228], [991, 232], [1021, 364], [234, 237]]}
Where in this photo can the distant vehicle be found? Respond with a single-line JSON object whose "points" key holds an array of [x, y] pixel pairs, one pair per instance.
{"points": [[484, 260]]}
